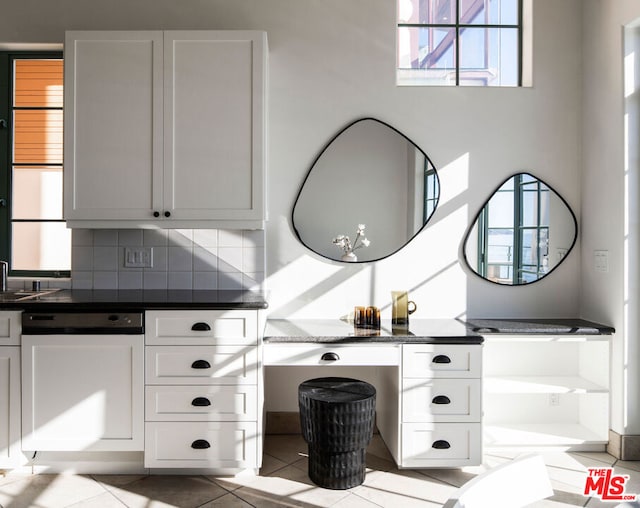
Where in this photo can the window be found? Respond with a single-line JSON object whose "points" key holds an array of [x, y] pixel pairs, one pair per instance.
{"points": [[513, 244], [34, 238], [460, 42]]}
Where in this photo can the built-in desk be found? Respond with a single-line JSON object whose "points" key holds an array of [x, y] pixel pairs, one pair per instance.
{"points": [[428, 380]]}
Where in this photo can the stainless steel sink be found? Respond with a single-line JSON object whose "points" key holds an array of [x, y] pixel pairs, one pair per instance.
{"points": [[20, 295]]}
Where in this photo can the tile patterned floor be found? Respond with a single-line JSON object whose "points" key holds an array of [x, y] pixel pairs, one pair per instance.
{"points": [[284, 482]]}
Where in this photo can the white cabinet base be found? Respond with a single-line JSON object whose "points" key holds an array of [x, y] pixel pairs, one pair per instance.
{"points": [[441, 444]]}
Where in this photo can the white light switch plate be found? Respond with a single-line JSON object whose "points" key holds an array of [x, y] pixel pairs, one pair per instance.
{"points": [[601, 260], [138, 257]]}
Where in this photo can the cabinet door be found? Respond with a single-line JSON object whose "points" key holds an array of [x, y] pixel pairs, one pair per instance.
{"points": [[82, 392], [10, 407], [214, 124], [113, 125]]}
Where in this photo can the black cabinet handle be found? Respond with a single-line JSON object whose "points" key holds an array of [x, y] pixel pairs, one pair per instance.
{"points": [[441, 399], [156, 214], [441, 359], [167, 213], [200, 444], [441, 444], [330, 357], [201, 327], [201, 364], [200, 402], [3, 124]]}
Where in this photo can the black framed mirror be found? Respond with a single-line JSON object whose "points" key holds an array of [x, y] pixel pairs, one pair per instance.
{"points": [[367, 194], [521, 234]]}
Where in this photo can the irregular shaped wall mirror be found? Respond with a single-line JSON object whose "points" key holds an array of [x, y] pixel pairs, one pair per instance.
{"points": [[368, 175], [522, 233]]}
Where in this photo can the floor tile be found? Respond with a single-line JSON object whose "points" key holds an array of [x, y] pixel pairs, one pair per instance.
{"points": [[49, 491], [167, 491], [284, 481]]}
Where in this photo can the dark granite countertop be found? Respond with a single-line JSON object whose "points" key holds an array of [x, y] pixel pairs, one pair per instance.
{"points": [[335, 331], [442, 331], [138, 300], [560, 326]]}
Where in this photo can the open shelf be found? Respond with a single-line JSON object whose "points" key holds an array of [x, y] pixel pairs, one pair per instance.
{"points": [[569, 435], [541, 384]]}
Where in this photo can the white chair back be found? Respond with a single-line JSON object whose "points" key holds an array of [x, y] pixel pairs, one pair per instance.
{"points": [[514, 484]]}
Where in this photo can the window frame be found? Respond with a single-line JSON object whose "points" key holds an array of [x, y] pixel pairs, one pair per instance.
{"points": [[457, 27], [6, 159]]}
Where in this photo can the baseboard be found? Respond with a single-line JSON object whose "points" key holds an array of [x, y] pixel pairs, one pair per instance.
{"points": [[282, 422], [624, 447]]}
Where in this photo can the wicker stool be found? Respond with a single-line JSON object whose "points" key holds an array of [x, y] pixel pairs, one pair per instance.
{"points": [[336, 415]]}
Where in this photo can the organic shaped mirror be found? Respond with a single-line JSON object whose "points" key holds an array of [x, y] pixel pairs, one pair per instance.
{"points": [[367, 194], [522, 233]]}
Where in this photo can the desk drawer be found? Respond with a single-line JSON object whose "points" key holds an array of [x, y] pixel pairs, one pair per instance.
{"points": [[441, 444], [194, 365], [441, 400], [441, 360], [315, 354], [202, 403], [201, 327], [201, 444]]}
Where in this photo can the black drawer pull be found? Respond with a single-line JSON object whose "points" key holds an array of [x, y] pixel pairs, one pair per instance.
{"points": [[201, 327], [200, 444], [441, 359], [201, 364], [441, 444], [441, 399], [330, 357], [200, 402]]}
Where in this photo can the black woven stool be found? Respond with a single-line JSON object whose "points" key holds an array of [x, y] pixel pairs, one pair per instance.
{"points": [[336, 415]]}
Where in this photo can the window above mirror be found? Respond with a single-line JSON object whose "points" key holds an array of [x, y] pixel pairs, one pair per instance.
{"points": [[462, 42]]}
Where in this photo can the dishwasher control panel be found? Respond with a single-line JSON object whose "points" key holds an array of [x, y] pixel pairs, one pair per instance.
{"points": [[43, 323]]}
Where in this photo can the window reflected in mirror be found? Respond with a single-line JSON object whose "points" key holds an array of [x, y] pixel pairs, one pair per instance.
{"points": [[521, 234]]}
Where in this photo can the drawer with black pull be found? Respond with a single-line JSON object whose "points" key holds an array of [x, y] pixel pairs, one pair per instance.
{"points": [[201, 403], [441, 400], [201, 444], [441, 444], [201, 327], [331, 354], [441, 360], [189, 365]]}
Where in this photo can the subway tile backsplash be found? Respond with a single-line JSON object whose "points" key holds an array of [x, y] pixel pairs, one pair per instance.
{"points": [[182, 259]]}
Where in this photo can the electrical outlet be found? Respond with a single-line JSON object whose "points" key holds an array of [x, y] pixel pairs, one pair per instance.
{"points": [[138, 257], [554, 399]]}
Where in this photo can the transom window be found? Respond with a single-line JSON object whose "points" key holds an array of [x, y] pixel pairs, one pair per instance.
{"points": [[460, 42], [35, 239]]}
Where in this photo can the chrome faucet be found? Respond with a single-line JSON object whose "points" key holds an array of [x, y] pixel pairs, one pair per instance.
{"points": [[4, 270]]}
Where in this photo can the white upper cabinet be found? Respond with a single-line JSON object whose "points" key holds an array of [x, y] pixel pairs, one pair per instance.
{"points": [[165, 129]]}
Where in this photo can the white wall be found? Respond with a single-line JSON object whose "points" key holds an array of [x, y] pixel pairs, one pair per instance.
{"points": [[609, 204], [332, 61]]}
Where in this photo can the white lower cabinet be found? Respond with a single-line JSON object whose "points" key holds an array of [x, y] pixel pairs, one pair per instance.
{"points": [[10, 329], [10, 454], [82, 392], [203, 390], [440, 401]]}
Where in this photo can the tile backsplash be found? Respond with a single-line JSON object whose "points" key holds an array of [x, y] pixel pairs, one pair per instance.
{"points": [[182, 259]]}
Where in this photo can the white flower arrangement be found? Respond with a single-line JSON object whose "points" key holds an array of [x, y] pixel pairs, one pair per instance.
{"points": [[344, 242]]}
